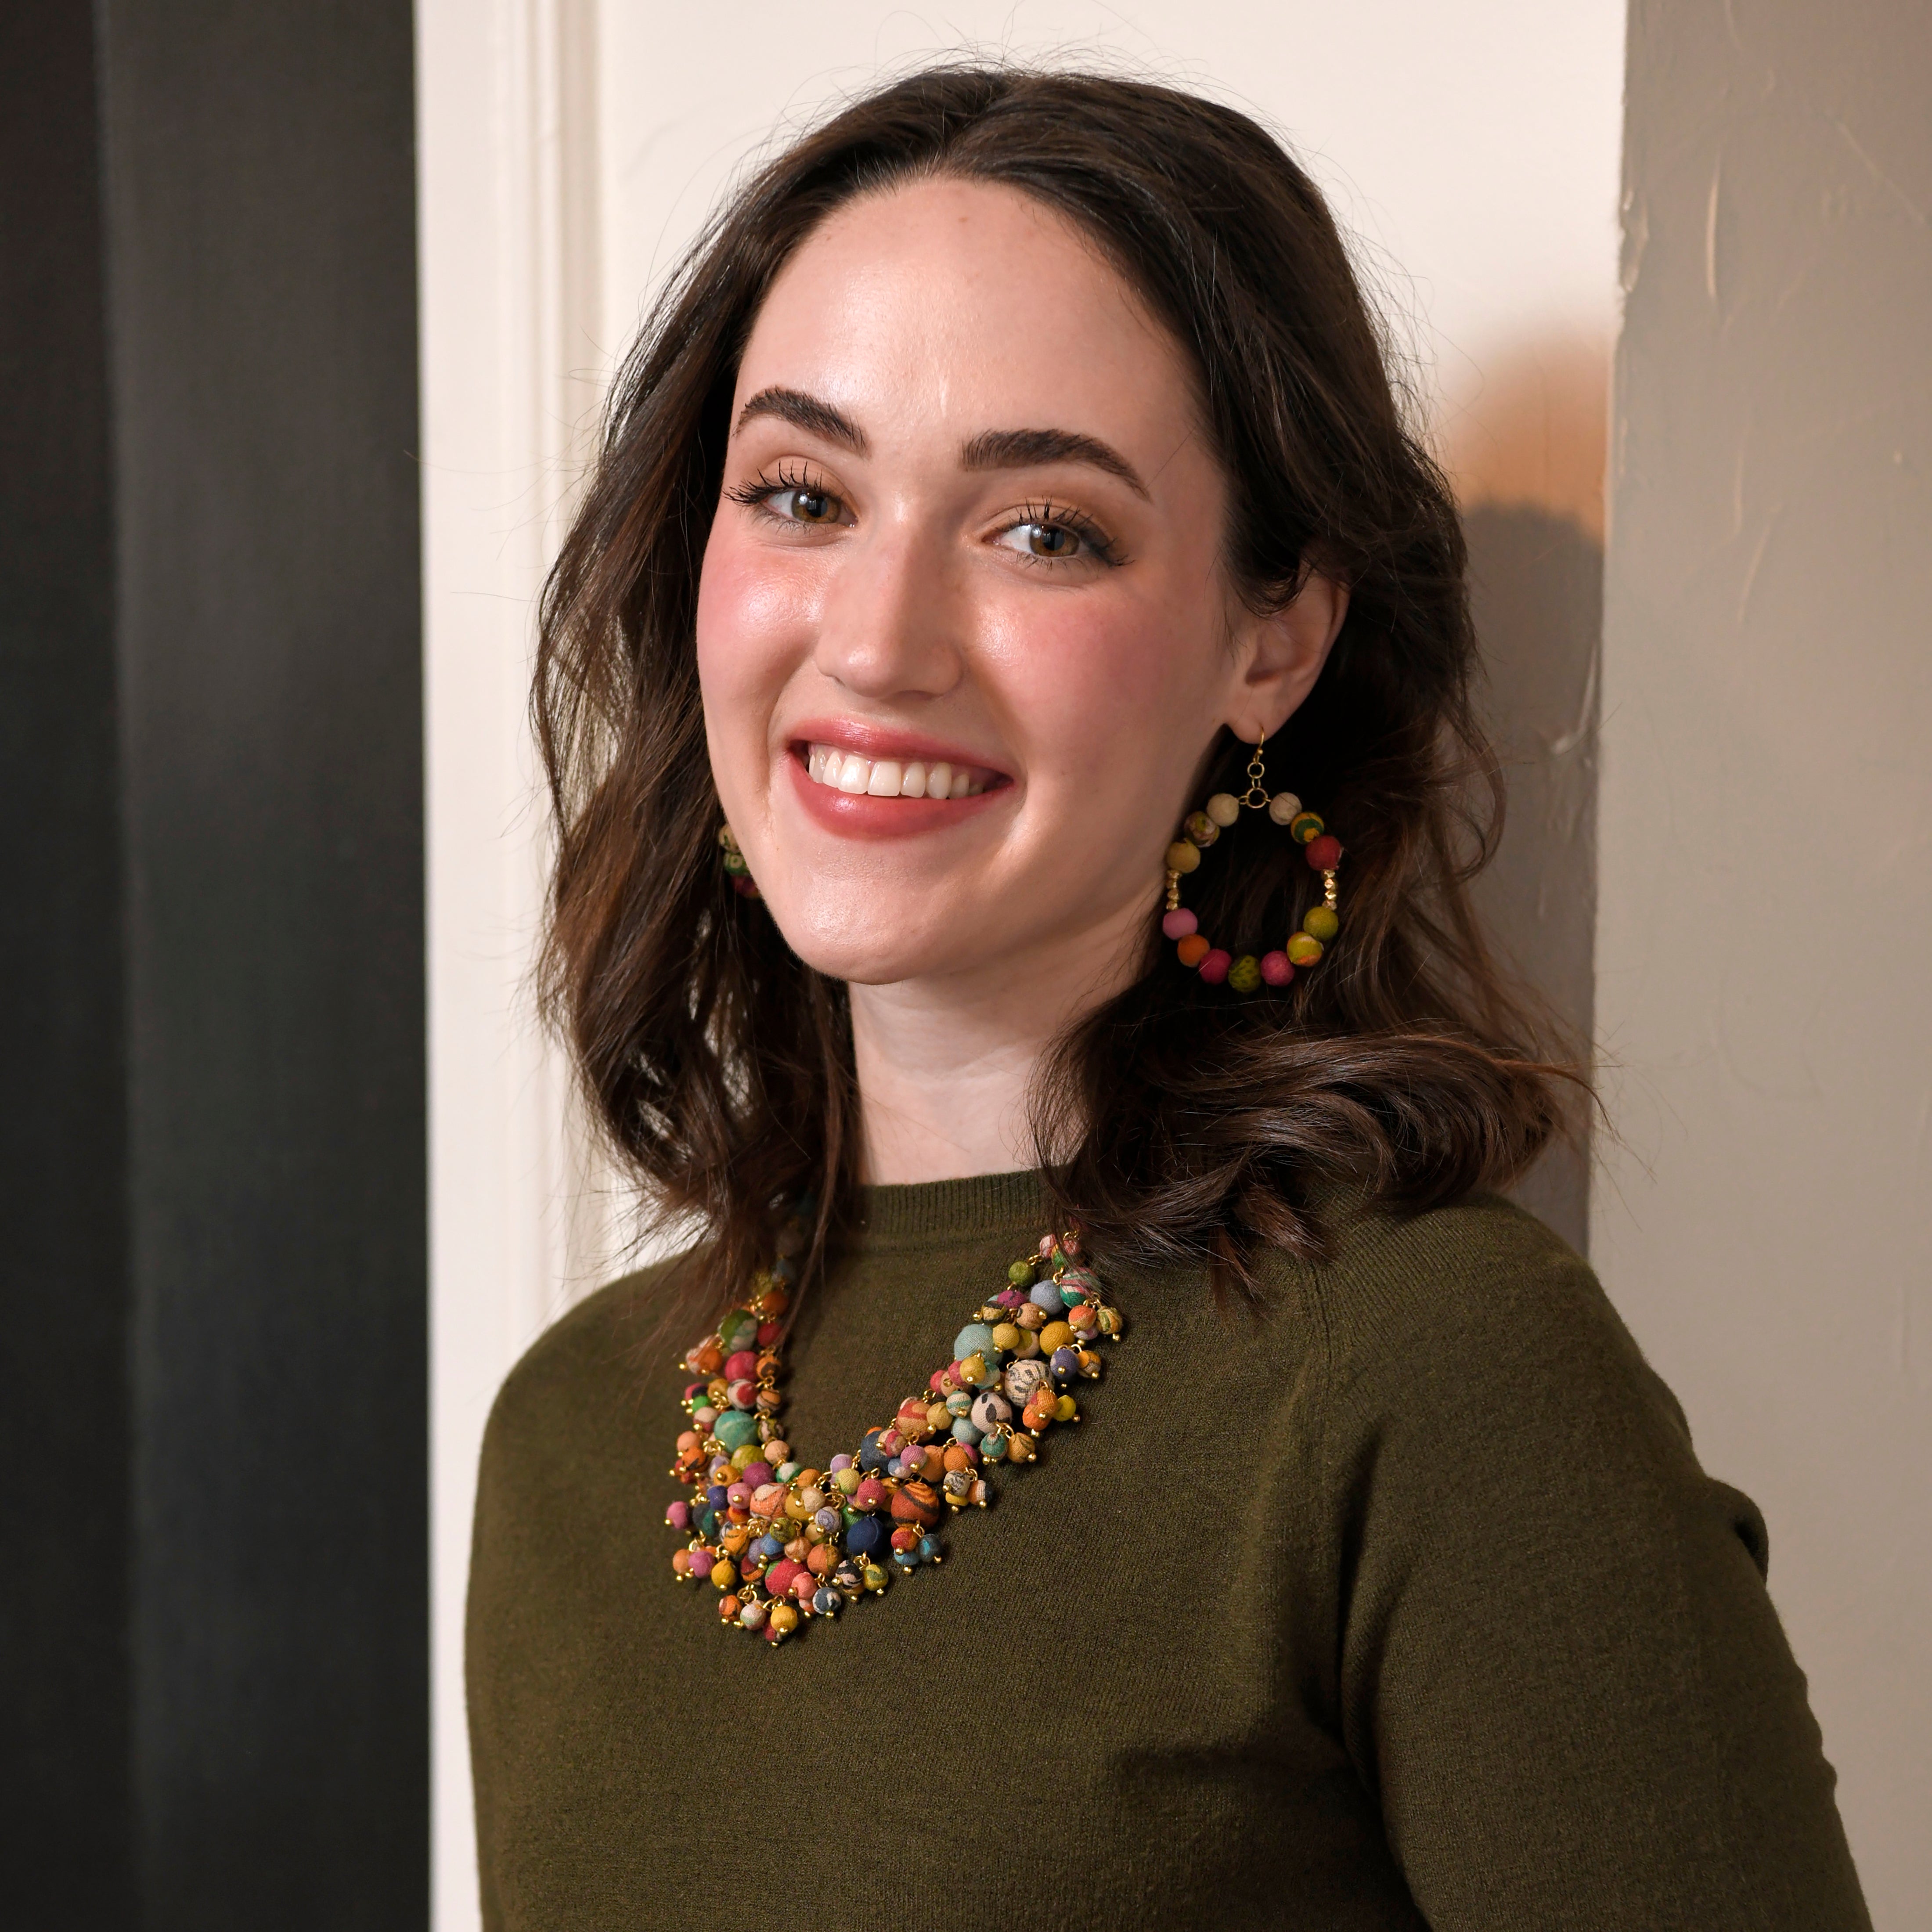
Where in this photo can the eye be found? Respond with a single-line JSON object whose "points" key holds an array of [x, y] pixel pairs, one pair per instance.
{"points": [[804, 506], [792, 496], [1053, 540], [1043, 533]]}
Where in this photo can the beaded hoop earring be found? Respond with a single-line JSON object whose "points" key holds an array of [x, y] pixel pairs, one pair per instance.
{"points": [[736, 869], [1246, 973]]}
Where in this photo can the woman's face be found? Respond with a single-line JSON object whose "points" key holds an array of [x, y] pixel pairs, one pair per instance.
{"points": [[970, 539]]}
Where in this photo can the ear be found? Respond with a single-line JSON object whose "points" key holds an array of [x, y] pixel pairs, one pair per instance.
{"points": [[1278, 657]]}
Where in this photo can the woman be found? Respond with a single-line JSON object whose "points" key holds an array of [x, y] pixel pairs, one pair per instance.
{"points": [[1011, 478]]}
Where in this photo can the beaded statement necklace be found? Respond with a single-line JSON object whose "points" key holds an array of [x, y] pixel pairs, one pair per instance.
{"points": [[781, 1543]]}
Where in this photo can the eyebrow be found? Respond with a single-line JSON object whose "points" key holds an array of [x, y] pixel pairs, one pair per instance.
{"points": [[992, 449], [805, 413], [1015, 448]]}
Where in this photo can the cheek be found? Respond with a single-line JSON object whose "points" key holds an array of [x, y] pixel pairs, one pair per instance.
{"points": [[749, 626], [1111, 696], [1112, 699], [753, 624]]}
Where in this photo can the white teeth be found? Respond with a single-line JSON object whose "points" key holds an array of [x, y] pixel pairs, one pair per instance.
{"points": [[891, 778]]}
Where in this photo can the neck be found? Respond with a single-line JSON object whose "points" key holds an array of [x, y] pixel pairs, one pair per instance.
{"points": [[947, 1066]]}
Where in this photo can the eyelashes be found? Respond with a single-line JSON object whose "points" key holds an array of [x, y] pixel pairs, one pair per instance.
{"points": [[768, 482], [1052, 519], [816, 503], [1055, 536]]}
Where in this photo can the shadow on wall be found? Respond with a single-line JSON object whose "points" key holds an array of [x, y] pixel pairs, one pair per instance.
{"points": [[1527, 458]]}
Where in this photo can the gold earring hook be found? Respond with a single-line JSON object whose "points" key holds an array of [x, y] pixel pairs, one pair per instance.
{"points": [[1256, 795]]}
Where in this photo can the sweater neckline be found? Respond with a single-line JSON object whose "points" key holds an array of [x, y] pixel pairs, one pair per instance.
{"points": [[932, 1213]]}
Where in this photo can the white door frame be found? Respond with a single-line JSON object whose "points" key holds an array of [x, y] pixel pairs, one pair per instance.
{"points": [[511, 379]]}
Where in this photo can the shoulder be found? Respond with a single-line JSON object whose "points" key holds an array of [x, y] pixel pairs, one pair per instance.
{"points": [[562, 1490], [585, 1372], [1471, 1305], [1482, 1260], [1477, 1388]]}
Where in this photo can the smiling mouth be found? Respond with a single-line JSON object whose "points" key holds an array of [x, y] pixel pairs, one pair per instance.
{"points": [[847, 772]]}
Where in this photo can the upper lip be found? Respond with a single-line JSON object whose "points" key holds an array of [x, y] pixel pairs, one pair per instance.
{"points": [[887, 741]]}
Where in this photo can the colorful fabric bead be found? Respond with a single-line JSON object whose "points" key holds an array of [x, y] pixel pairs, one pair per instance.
{"points": [[975, 1336], [781, 1543], [735, 1428]]}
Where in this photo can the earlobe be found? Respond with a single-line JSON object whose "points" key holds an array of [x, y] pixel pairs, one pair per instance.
{"points": [[1283, 653]]}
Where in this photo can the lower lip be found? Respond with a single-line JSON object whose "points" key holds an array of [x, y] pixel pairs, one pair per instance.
{"points": [[859, 815]]}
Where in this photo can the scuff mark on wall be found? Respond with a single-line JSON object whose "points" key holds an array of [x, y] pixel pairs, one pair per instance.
{"points": [[1711, 208], [1877, 173], [1636, 236], [1756, 564]]}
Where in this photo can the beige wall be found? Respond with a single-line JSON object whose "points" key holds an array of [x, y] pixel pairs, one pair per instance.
{"points": [[1764, 946]]}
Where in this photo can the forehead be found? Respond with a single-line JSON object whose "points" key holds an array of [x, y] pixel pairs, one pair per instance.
{"points": [[961, 305]]}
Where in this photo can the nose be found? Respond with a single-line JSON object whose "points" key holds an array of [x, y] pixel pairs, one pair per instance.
{"points": [[889, 626]]}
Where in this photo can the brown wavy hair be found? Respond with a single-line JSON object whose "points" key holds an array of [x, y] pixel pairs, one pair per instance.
{"points": [[1179, 1123]]}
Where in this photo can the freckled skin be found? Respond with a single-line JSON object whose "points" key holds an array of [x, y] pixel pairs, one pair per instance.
{"points": [[899, 588]]}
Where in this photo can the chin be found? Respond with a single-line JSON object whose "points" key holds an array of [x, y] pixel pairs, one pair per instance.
{"points": [[894, 938]]}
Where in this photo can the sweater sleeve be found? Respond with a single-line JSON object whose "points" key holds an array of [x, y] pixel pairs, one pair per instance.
{"points": [[1560, 1672]]}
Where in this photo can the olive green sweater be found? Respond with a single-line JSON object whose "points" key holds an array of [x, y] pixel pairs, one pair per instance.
{"points": [[1406, 1606]]}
